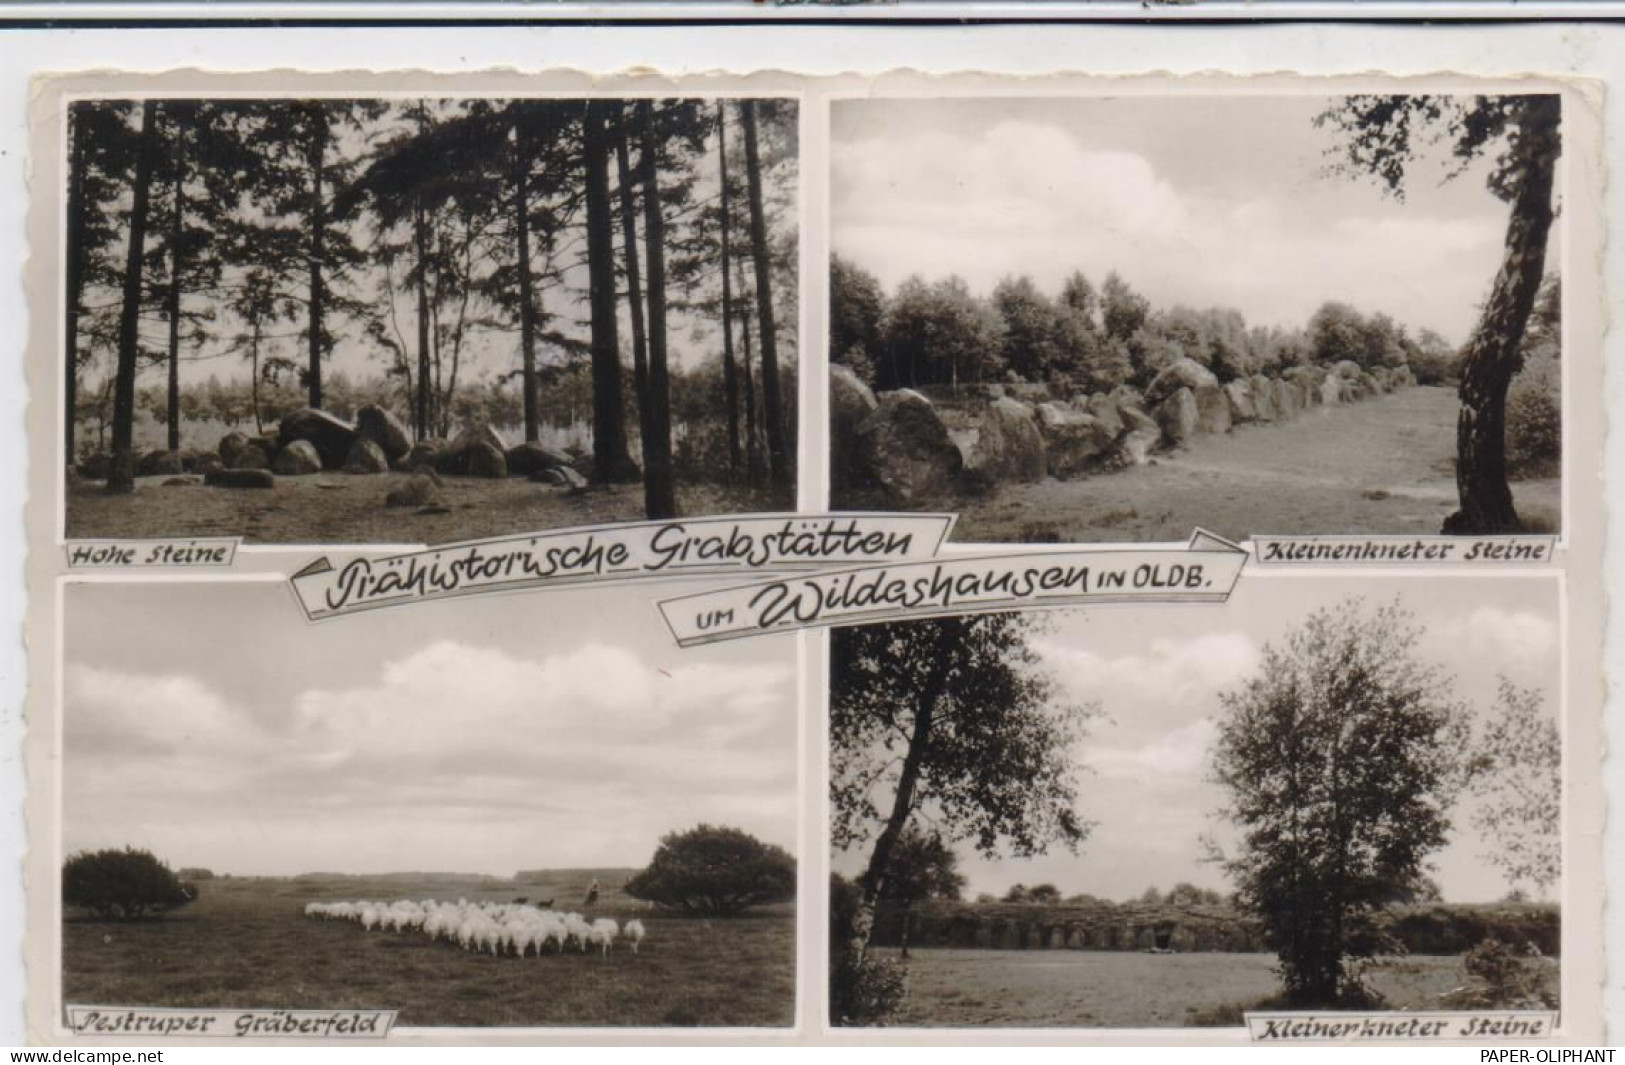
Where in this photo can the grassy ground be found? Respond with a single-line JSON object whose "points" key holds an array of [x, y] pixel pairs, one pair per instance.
{"points": [[1119, 989], [337, 508], [1385, 465], [245, 943]]}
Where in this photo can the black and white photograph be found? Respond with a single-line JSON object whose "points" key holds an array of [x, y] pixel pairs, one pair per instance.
{"points": [[1329, 793], [516, 811], [1114, 318], [425, 320]]}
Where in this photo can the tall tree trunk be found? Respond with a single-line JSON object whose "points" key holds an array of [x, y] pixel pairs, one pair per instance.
{"points": [[527, 284], [121, 477], [659, 492], [75, 286], [318, 247], [778, 458], [172, 308], [612, 464], [753, 438], [634, 288], [730, 373], [420, 244], [873, 880], [1493, 353]]}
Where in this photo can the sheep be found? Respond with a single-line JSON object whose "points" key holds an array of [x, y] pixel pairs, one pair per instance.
{"points": [[603, 933], [634, 933]]}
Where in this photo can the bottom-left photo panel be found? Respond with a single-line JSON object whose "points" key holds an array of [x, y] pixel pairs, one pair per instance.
{"points": [[527, 811]]}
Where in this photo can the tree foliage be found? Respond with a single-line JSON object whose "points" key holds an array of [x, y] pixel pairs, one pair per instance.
{"points": [[922, 866], [715, 872], [1517, 778], [123, 885], [1339, 759], [953, 716], [1385, 137]]}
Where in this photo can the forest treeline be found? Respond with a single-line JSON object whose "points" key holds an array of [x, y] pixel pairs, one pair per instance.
{"points": [[1087, 339], [553, 243]]}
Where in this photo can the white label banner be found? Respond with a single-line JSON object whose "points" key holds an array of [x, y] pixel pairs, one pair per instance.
{"points": [[676, 548], [1204, 572]]}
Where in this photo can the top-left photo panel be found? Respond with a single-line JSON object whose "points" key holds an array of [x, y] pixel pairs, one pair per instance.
{"points": [[401, 319]]}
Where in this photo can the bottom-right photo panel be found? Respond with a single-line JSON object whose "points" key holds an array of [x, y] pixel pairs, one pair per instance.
{"points": [[1327, 793]]}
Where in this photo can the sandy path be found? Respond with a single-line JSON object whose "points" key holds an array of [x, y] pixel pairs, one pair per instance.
{"points": [[1382, 466]]}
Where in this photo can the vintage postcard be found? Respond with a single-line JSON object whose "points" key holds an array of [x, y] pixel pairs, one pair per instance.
{"points": [[815, 559]]}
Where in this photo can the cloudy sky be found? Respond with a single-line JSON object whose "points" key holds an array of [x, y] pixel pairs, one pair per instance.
{"points": [[1157, 672], [1204, 201], [487, 735]]}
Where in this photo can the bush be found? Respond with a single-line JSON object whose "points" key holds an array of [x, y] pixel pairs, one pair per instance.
{"points": [[124, 885], [864, 989], [1534, 433], [193, 874], [715, 872], [1503, 978]]}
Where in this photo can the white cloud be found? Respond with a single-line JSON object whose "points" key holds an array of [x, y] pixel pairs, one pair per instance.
{"points": [[1169, 682], [450, 756], [1522, 645], [1180, 756], [114, 710], [1025, 197]]}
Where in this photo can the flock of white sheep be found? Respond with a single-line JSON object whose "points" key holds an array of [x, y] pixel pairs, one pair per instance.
{"points": [[498, 927]]}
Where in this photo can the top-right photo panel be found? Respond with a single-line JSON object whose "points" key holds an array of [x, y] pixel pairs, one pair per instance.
{"points": [[1118, 318]]}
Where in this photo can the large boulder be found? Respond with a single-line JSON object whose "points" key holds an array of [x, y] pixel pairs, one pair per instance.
{"points": [[1009, 446], [1075, 443], [206, 461], [250, 457], [528, 458], [160, 464], [1181, 373], [1240, 398], [1286, 398], [850, 402], [240, 478], [1263, 390], [1177, 416], [96, 466], [1133, 448], [1404, 377], [425, 454], [1347, 369], [478, 434], [1212, 409], [1135, 418], [902, 451], [366, 457], [475, 458], [1333, 390], [298, 459], [561, 477], [384, 429], [419, 490], [230, 444], [1105, 408], [331, 437]]}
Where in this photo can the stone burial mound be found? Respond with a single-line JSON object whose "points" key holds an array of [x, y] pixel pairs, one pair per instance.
{"points": [[898, 450], [311, 441]]}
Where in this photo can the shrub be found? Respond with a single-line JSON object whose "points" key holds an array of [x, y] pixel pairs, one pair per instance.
{"points": [[864, 988], [124, 885], [193, 874], [715, 872], [1503, 977], [1534, 433]]}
